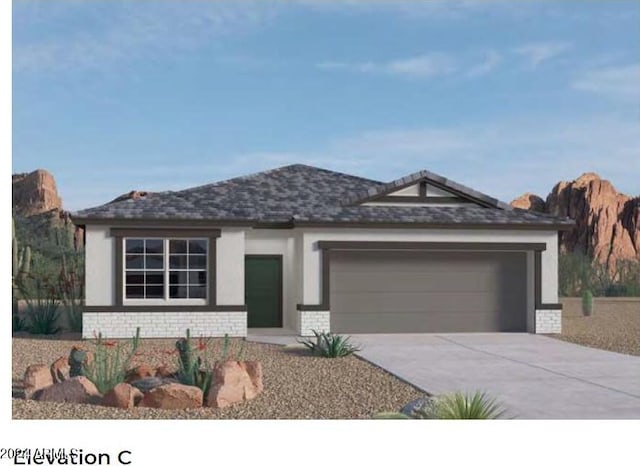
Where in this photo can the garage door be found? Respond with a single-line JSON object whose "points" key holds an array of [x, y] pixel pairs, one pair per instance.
{"points": [[427, 291]]}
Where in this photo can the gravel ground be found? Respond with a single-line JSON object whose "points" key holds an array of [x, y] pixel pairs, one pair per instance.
{"points": [[614, 325], [297, 386]]}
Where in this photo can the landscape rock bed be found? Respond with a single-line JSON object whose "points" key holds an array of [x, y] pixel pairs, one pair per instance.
{"points": [[296, 386], [614, 325]]}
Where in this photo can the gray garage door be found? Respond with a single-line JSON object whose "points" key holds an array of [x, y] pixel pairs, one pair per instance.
{"points": [[427, 291]]}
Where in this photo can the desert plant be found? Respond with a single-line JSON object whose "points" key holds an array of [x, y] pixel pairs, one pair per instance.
{"points": [[21, 260], [458, 405], [111, 362], [43, 311], [587, 303], [330, 345], [192, 370], [18, 322], [74, 318], [71, 291]]}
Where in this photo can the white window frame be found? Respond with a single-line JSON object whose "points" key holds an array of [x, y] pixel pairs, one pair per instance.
{"points": [[166, 301]]}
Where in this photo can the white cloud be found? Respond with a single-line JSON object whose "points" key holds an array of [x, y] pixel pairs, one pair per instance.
{"points": [[124, 32], [621, 81], [422, 66], [491, 61], [540, 52]]}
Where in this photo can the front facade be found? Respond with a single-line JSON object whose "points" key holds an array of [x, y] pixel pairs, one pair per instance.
{"points": [[300, 249]]}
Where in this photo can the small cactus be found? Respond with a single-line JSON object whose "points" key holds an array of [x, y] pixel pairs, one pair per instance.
{"points": [[587, 303], [77, 360]]}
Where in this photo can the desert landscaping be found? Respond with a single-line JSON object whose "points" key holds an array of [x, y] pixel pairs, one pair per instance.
{"points": [[614, 325], [297, 385]]}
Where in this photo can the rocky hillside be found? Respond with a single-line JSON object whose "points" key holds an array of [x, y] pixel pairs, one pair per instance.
{"points": [[607, 222], [38, 208], [35, 193]]}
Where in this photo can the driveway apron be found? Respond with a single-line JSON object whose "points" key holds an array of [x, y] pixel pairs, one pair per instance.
{"points": [[533, 376]]}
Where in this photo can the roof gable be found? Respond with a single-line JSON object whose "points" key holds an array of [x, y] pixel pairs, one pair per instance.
{"points": [[424, 187]]}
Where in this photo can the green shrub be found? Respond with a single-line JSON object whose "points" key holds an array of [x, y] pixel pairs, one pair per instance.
{"points": [[111, 362], [192, 370], [74, 318], [70, 289], [467, 406], [18, 322], [330, 345], [577, 272], [43, 315], [457, 405]]}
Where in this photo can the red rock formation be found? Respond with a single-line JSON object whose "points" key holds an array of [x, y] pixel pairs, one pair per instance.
{"points": [[132, 195], [607, 222], [531, 202], [35, 193]]}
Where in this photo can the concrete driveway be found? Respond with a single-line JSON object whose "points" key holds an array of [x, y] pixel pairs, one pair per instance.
{"points": [[535, 377]]}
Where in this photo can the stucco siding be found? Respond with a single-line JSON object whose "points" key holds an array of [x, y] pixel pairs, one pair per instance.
{"points": [[230, 251], [99, 266]]}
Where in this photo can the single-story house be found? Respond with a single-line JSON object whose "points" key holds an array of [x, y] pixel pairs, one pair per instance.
{"points": [[301, 248]]}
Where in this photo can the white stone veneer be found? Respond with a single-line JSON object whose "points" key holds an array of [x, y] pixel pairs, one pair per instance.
{"points": [[313, 320], [164, 324], [549, 321]]}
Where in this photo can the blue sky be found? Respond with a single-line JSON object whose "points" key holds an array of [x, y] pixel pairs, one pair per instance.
{"points": [[505, 97]]}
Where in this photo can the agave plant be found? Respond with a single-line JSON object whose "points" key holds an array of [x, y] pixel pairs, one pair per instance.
{"points": [[330, 345], [477, 405]]}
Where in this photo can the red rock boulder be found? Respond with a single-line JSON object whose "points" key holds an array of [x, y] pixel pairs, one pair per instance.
{"points": [[60, 369], [122, 396], [254, 369], [232, 383], [75, 390], [36, 378], [173, 396]]}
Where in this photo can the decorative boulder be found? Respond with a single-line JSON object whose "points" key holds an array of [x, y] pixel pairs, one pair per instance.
{"points": [[122, 396], [254, 369], [75, 390], [149, 383], [36, 377], [173, 396], [423, 407], [232, 384], [140, 372], [60, 369]]}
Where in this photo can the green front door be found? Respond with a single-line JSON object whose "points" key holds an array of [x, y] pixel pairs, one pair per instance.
{"points": [[263, 290]]}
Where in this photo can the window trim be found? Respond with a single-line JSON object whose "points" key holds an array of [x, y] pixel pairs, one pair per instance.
{"points": [[162, 233], [166, 270]]}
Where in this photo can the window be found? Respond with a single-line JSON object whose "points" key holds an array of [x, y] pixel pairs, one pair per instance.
{"points": [[165, 269]]}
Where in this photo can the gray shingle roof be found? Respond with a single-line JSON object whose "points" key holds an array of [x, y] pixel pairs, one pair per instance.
{"points": [[302, 194]]}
